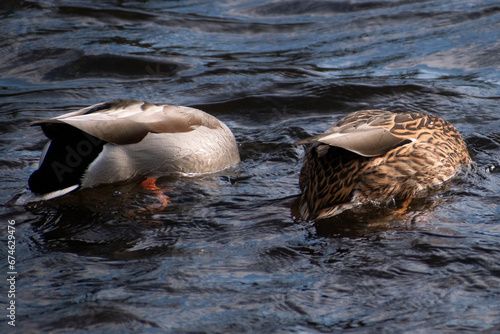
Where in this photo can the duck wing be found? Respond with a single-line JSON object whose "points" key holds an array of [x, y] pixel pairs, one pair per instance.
{"points": [[128, 121], [366, 136]]}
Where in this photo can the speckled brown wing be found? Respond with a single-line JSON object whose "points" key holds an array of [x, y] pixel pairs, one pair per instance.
{"points": [[436, 152], [365, 133], [377, 155]]}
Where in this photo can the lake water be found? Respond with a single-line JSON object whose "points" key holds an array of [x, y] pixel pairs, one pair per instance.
{"points": [[228, 255]]}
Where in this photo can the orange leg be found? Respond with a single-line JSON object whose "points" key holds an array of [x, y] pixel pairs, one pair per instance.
{"points": [[150, 184], [162, 199], [405, 207]]}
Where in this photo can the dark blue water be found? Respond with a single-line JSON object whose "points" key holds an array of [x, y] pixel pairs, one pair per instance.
{"points": [[228, 255]]}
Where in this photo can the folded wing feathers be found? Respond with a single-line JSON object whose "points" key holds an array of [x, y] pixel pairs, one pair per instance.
{"points": [[361, 138], [368, 142], [129, 121]]}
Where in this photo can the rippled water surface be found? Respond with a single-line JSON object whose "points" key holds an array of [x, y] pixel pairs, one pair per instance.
{"points": [[228, 255]]}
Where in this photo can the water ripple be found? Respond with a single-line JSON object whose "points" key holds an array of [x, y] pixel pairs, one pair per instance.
{"points": [[228, 254]]}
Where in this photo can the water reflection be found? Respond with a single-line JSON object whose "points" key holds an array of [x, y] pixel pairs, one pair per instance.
{"points": [[227, 255]]}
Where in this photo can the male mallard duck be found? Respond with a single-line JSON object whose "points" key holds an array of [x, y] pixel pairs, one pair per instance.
{"points": [[376, 155], [117, 140]]}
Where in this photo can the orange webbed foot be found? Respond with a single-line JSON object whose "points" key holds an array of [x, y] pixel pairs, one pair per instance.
{"points": [[162, 199]]}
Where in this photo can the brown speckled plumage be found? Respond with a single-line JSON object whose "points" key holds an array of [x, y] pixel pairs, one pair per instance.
{"points": [[376, 155]]}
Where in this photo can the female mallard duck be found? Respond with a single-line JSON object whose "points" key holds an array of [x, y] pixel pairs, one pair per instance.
{"points": [[376, 155], [117, 140]]}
